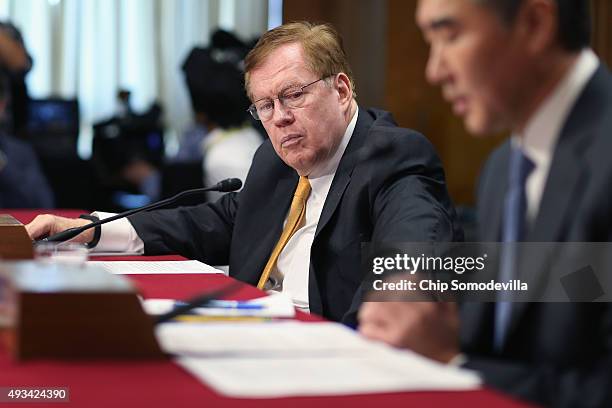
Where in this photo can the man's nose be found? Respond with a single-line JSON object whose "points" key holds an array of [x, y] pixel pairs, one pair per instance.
{"points": [[282, 114], [434, 71]]}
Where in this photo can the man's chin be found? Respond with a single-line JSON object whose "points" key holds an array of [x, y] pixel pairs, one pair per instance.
{"points": [[300, 164], [478, 127]]}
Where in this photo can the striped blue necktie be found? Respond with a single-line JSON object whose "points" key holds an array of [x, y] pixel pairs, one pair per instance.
{"points": [[513, 228]]}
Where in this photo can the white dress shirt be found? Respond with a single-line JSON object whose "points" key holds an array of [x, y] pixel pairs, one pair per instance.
{"points": [[293, 263], [543, 129], [294, 260], [118, 236]]}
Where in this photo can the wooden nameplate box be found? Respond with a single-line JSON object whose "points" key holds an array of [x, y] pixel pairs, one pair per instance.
{"points": [[15, 243]]}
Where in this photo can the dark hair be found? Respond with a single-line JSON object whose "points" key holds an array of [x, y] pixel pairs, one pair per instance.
{"points": [[214, 79], [574, 31]]}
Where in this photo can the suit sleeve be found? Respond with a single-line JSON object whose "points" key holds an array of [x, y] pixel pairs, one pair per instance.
{"points": [[585, 384], [411, 203], [201, 232]]}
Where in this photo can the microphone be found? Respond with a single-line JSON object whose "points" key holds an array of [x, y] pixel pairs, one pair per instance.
{"points": [[224, 186]]}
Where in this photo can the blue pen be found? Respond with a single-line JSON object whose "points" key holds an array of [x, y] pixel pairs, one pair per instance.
{"points": [[227, 304], [235, 304]]}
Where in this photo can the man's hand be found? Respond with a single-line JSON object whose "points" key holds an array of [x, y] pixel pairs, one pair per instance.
{"points": [[45, 225], [427, 328]]}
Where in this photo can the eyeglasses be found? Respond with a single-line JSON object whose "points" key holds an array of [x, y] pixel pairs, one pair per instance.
{"points": [[263, 109]]}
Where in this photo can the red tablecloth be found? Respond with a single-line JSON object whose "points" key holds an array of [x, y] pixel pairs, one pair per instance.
{"points": [[164, 384]]}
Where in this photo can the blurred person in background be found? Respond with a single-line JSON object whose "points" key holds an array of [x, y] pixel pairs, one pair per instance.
{"points": [[222, 139], [214, 77], [15, 63], [22, 183]]}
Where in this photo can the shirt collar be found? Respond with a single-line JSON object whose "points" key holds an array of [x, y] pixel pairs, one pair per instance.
{"points": [[544, 127], [330, 165]]}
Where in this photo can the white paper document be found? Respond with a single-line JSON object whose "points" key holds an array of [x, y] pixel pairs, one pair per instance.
{"points": [[283, 359], [154, 267]]}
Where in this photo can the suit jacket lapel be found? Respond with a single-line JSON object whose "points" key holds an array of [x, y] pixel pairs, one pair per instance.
{"points": [[567, 175], [561, 190], [568, 168], [334, 196], [476, 317], [345, 169], [282, 197], [276, 213], [564, 178], [491, 206]]}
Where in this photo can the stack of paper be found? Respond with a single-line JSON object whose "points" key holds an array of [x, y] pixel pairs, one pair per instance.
{"points": [[159, 267], [291, 358]]}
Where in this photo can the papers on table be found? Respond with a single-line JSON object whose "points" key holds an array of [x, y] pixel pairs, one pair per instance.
{"points": [[280, 359], [158, 267], [275, 305]]}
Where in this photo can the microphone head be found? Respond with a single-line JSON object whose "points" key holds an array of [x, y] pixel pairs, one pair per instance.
{"points": [[230, 184]]}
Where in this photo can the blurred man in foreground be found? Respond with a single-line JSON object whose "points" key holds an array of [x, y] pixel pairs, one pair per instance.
{"points": [[522, 66], [316, 189]]}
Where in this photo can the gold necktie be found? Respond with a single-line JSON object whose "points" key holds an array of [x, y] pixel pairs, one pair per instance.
{"points": [[295, 220]]}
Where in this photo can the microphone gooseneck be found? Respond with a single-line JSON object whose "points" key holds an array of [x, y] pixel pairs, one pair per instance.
{"points": [[224, 186]]}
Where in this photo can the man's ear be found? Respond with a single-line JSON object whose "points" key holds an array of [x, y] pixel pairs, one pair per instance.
{"points": [[342, 83], [537, 23]]}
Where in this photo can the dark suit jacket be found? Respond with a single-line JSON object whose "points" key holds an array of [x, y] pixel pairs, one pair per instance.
{"points": [[557, 354], [389, 186]]}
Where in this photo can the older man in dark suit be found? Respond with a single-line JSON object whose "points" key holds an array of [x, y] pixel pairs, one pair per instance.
{"points": [[316, 190], [524, 66]]}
